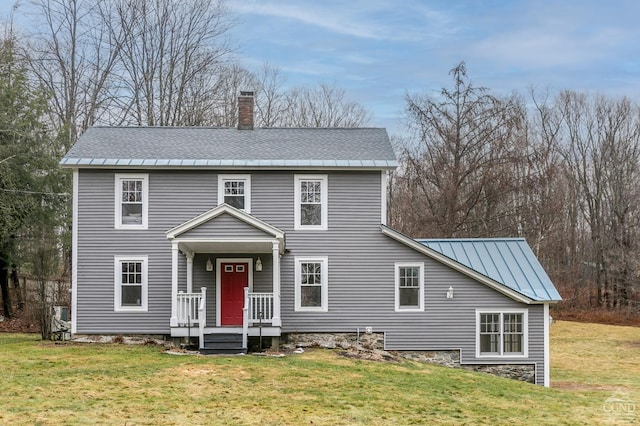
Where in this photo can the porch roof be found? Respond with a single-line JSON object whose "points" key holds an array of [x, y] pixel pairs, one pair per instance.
{"points": [[214, 242]]}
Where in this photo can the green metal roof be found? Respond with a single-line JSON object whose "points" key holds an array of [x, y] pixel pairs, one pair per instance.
{"points": [[508, 261]]}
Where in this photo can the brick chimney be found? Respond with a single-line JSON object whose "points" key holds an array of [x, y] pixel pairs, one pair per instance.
{"points": [[245, 111]]}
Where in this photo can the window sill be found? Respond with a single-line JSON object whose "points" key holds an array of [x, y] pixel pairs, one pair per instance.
{"points": [[130, 310], [409, 309], [508, 356], [311, 310]]}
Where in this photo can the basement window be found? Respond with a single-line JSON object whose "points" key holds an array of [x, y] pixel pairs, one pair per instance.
{"points": [[501, 333]]}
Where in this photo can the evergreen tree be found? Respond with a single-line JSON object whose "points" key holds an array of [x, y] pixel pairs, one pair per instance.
{"points": [[28, 169]]}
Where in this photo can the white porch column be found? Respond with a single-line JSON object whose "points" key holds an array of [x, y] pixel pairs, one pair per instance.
{"points": [[174, 284], [189, 272], [276, 285]]}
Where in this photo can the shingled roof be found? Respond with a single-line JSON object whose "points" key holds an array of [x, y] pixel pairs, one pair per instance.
{"points": [[214, 147]]}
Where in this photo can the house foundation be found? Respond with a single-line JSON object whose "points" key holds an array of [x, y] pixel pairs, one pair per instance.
{"points": [[375, 341]]}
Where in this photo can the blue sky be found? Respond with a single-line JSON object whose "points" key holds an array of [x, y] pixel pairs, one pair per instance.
{"points": [[379, 50]]}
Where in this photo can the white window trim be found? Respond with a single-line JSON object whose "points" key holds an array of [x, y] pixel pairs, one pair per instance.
{"points": [[117, 306], [419, 265], [525, 332], [325, 284], [119, 177], [247, 188], [323, 202]]}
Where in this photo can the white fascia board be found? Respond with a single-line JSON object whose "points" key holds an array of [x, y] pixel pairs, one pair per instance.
{"points": [[217, 211]]}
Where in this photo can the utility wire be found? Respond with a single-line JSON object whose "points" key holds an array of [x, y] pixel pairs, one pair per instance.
{"points": [[22, 191]]}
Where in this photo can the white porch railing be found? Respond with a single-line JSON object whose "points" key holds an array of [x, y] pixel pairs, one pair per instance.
{"points": [[188, 307], [260, 308], [192, 310]]}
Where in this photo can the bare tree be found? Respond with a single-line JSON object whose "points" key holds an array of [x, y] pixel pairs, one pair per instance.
{"points": [[170, 57], [73, 56], [602, 151], [231, 80], [324, 106], [455, 167], [272, 101]]}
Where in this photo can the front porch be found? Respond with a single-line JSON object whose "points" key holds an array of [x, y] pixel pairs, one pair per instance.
{"points": [[234, 259], [257, 317]]}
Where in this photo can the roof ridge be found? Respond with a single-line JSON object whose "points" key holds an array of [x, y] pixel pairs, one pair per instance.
{"points": [[233, 128]]}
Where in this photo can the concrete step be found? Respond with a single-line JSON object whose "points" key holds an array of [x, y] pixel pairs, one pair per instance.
{"points": [[221, 351]]}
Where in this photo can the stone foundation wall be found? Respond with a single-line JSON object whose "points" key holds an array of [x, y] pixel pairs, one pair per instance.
{"points": [[369, 341], [375, 342], [446, 358], [522, 372]]}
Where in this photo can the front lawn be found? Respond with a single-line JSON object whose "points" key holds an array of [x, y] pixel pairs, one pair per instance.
{"points": [[47, 383]]}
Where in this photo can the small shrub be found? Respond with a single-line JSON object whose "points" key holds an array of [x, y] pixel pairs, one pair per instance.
{"points": [[118, 339]]}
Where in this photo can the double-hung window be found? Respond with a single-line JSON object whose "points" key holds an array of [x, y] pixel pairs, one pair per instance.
{"points": [[311, 286], [409, 285], [130, 283], [501, 333], [131, 202], [235, 190], [311, 202]]}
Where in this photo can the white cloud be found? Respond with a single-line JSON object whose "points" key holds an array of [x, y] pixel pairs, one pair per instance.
{"points": [[374, 20], [542, 48]]}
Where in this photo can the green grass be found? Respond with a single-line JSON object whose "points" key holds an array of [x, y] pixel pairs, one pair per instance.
{"points": [[46, 383]]}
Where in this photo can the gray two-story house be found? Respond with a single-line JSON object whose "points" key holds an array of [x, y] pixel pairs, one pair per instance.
{"points": [[219, 232]]}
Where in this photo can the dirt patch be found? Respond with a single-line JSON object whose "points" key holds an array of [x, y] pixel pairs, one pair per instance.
{"points": [[574, 386]]}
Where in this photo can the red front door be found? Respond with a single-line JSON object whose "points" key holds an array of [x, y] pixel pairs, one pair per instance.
{"points": [[234, 277]]}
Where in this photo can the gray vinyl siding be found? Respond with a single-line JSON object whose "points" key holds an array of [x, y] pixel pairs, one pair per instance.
{"points": [[224, 226], [173, 198], [361, 266], [360, 263]]}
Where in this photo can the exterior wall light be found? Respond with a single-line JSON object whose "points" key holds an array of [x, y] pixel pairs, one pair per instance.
{"points": [[258, 265], [209, 265], [450, 293]]}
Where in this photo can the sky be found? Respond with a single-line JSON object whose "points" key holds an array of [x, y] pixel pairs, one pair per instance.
{"points": [[379, 51]]}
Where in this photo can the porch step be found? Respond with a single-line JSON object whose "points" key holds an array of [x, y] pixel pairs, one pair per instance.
{"points": [[223, 343]]}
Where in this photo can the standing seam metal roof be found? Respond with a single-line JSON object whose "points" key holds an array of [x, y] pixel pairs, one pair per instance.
{"points": [[508, 261], [229, 147]]}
